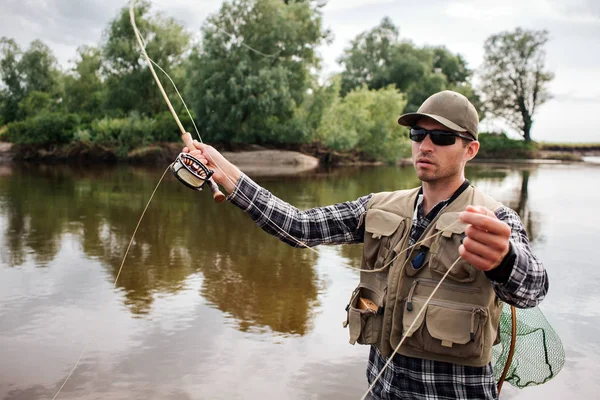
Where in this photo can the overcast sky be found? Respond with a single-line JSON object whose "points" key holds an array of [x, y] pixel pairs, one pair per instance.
{"points": [[573, 52]]}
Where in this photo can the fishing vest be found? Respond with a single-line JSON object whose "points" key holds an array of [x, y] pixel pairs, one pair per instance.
{"points": [[460, 324]]}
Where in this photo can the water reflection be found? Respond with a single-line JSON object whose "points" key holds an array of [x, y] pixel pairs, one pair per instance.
{"points": [[249, 275]]}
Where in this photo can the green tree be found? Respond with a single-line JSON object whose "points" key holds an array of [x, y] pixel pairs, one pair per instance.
{"points": [[12, 92], [514, 77], [34, 72], [366, 121], [253, 70], [377, 58], [320, 99], [84, 89], [369, 57], [39, 69], [129, 82]]}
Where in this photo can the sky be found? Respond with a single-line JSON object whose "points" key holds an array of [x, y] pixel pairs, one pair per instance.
{"points": [[572, 54]]}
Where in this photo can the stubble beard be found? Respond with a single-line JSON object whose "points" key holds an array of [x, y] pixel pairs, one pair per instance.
{"points": [[439, 176]]}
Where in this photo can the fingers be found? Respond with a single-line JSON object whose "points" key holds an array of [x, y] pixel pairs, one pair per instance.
{"points": [[487, 241], [475, 260], [200, 156], [480, 210], [481, 219], [488, 238], [482, 256], [199, 146]]}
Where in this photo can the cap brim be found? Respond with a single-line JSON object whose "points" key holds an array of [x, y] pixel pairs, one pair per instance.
{"points": [[411, 119]]}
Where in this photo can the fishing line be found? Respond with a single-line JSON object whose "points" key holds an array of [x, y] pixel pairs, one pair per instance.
{"points": [[240, 41], [115, 282]]}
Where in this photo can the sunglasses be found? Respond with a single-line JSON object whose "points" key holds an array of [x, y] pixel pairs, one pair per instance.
{"points": [[438, 137]]}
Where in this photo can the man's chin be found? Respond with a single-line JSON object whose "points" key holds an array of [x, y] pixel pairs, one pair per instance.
{"points": [[425, 176]]}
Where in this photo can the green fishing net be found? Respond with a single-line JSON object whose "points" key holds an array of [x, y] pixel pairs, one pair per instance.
{"points": [[539, 354]]}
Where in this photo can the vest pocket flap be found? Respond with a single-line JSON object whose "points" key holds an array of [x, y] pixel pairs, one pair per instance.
{"points": [[381, 223], [450, 224], [355, 324], [410, 317], [452, 326]]}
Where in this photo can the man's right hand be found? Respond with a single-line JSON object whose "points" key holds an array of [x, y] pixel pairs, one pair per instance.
{"points": [[226, 174]]}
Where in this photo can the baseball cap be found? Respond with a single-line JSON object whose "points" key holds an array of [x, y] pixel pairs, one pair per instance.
{"points": [[449, 108]]}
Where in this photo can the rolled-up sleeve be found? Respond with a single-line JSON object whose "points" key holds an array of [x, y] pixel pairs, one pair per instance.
{"points": [[335, 224]]}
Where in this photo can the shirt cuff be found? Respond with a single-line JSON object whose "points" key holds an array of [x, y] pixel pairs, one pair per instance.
{"points": [[243, 192], [502, 272]]}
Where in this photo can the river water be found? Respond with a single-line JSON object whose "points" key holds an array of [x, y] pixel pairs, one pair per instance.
{"points": [[207, 306]]}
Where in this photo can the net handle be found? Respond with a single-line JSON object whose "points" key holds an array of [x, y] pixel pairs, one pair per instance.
{"points": [[511, 351]]}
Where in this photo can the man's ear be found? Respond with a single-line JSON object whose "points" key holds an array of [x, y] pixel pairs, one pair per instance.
{"points": [[472, 150]]}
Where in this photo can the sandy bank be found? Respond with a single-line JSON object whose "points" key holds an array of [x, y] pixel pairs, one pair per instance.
{"points": [[272, 162]]}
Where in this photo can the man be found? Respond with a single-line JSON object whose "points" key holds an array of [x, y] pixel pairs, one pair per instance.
{"points": [[412, 238]]}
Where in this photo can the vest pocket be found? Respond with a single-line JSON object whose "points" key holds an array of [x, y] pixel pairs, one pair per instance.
{"points": [[384, 230], [365, 315], [445, 328], [444, 251]]}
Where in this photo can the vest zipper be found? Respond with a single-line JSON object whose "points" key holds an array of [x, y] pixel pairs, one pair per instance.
{"points": [[409, 305], [433, 283], [475, 314]]}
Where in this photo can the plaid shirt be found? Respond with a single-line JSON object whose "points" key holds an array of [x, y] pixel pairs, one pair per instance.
{"points": [[520, 280]]}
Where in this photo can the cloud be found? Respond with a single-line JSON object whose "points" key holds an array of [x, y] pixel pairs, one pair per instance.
{"points": [[578, 11], [336, 5], [65, 25]]}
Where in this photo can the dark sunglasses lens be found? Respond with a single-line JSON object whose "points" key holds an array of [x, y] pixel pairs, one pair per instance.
{"points": [[442, 139], [417, 137]]}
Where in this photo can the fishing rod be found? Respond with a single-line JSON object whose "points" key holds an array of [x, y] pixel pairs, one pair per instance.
{"points": [[186, 168]]}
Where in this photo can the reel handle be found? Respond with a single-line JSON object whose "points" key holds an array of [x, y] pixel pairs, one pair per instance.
{"points": [[218, 196]]}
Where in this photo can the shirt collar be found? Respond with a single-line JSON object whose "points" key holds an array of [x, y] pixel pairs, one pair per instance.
{"points": [[419, 200]]}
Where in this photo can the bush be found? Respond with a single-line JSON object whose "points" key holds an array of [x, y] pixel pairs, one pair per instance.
{"points": [[165, 128], [135, 131], [500, 146], [47, 128], [106, 131]]}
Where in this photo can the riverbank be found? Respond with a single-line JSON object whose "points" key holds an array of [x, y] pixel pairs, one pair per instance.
{"points": [[257, 159]]}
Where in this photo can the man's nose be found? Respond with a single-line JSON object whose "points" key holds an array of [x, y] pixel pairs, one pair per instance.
{"points": [[426, 145]]}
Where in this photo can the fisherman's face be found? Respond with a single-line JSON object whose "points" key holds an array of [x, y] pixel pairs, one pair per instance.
{"points": [[437, 163]]}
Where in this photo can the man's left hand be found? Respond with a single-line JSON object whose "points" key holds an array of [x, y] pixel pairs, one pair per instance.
{"points": [[486, 243]]}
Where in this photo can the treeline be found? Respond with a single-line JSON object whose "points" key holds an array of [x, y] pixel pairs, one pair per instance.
{"points": [[253, 77]]}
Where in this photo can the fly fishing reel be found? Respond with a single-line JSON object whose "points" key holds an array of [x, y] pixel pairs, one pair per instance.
{"points": [[190, 171]]}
